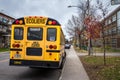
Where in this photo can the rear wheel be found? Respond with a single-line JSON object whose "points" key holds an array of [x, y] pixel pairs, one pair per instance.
{"points": [[63, 61]]}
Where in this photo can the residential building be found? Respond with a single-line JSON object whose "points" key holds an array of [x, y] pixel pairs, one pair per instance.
{"points": [[5, 29], [112, 29]]}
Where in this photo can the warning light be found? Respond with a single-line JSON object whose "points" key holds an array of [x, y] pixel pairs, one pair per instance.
{"points": [[53, 22], [20, 21], [50, 22], [17, 21]]}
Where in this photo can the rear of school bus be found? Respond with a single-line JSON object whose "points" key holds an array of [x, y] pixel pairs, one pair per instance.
{"points": [[36, 42]]}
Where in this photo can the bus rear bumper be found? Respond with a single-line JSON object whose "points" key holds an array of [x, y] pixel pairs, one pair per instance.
{"points": [[32, 63]]}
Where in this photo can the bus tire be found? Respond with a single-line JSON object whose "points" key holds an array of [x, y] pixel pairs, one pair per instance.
{"points": [[63, 61], [61, 65]]}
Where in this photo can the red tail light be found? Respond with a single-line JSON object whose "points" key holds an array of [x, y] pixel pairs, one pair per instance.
{"points": [[17, 45], [53, 22], [17, 21], [51, 46]]}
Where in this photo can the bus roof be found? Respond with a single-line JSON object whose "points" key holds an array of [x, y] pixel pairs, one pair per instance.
{"points": [[36, 20]]}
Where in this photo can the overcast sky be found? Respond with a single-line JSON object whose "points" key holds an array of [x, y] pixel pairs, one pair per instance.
{"points": [[56, 9]]}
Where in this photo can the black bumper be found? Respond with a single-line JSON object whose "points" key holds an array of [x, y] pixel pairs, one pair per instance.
{"points": [[31, 63]]}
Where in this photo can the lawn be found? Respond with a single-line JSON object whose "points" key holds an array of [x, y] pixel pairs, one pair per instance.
{"points": [[4, 49], [97, 71], [109, 50]]}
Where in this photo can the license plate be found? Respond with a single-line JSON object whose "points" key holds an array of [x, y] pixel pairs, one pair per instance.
{"points": [[17, 56], [17, 62]]}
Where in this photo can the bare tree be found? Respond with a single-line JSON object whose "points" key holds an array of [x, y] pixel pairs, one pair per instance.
{"points": [[72, 27], [86, 10], [104, 10]]}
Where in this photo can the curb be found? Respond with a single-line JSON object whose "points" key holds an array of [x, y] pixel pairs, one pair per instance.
{"points": [[4, 52]]}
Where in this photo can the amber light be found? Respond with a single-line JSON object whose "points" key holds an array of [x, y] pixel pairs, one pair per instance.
{"points": [[20, 21], [13, 45], [55, 47], [50, 22]]}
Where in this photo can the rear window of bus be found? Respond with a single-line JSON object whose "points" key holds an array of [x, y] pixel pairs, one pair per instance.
{"points": [[18, 33], [35, 34], [51, 34]]}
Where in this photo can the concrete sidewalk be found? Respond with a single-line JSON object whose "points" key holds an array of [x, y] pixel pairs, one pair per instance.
{"points": [[73, 68], [99, 54]]}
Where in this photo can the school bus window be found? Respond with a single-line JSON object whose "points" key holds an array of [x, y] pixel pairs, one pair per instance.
{"points": [[18, 33], [51, 34], [35, 34]]}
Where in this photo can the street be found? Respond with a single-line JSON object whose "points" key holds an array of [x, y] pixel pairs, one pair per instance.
{"points": [[25, 73], [72, 69]]}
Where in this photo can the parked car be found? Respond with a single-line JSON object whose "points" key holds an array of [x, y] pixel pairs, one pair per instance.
{"points": [[67, 46]]}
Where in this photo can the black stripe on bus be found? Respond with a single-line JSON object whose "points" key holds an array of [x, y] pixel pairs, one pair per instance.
{"points": [[15, 49], [53, 50]]}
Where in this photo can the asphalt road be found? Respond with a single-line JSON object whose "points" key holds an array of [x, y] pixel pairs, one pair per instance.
{"points": [[25, 73]]}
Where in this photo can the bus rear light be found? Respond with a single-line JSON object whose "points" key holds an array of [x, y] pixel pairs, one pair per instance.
{"points": [[50, 54], [41, 17], [13, 45], [20, 21], [30, 17], [51, 46], [53, 22], [55, 47], [17, 52], [17, 21], [50, 22], [16, 45]]}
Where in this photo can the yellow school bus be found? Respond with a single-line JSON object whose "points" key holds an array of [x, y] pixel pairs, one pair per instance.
{"points": [[37, 41]]}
